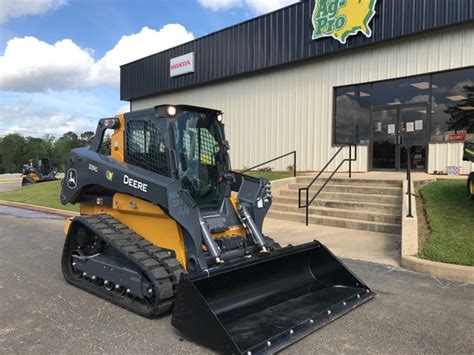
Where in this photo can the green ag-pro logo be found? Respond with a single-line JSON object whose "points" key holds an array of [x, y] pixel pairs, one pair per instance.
{"points": [[342, 18]]}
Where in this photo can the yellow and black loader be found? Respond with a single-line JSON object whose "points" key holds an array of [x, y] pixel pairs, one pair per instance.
{"points": [[37, 170], [165, 223]]}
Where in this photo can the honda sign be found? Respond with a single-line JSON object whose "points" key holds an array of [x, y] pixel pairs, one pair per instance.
{"points": [[183, 64]]}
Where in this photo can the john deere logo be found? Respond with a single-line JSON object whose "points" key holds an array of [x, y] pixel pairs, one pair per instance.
{"points": [[342, 18]]}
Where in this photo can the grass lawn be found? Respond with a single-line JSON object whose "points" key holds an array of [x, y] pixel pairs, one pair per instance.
{"points": [[42, 194], [450, 214], [270, 175]]}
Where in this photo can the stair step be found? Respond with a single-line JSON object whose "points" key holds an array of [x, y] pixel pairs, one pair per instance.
{"points": [[345, 196], [341, 213], [338, 222], [348, 205], [353, 181], [356, 189]]}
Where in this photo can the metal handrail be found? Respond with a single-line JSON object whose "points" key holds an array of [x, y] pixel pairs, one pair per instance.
{"points": [[272, 160], [310, 201], [409, 193]]}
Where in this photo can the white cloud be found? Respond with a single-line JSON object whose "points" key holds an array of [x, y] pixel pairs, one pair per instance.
{"points": [[264, 6], [55, 112], [135, 46], [17, 8], [54, 125], [31, 65], [258, 6], [123, 109], [219, 4]]}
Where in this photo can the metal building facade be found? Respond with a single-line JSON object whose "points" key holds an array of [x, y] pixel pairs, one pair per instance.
{"points": [[277, 91], [276, 111], [282, 37]]}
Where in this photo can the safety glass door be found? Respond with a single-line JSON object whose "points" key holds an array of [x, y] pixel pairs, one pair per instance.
{"points": [[397, 130], [384, 139], [412, 137]]}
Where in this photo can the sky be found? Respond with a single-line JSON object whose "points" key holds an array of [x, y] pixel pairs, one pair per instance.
{"points": [[60, 59]]}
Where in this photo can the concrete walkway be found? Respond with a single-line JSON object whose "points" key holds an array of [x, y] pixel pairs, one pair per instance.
{"points": [[344, 243]]}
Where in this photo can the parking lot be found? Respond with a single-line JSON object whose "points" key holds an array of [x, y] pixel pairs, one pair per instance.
{"points": [[40, 313]]}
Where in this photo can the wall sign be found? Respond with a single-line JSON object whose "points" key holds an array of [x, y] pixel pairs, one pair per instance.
{"points": [[183, 64], [342, 18]]}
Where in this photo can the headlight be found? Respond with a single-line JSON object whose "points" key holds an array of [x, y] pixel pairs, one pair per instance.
{"points": [[220, 118], [171, 110]]}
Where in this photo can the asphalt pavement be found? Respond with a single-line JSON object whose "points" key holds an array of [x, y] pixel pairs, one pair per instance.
{"points": [[40, 313], [10, 184]]}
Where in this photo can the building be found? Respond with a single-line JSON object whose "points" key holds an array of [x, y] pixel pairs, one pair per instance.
{"points": [[389, 75]]}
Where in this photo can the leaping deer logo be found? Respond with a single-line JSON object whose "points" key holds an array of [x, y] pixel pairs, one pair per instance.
{"points": [[72, 178]]}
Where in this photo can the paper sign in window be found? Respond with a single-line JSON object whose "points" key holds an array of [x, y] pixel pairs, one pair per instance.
{"points": [[391, 129], [410, 126], [418, 125]]}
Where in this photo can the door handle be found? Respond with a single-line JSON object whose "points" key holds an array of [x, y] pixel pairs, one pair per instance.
{"points": [[399, 139]]}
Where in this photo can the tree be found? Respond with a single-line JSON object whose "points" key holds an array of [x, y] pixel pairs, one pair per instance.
{"points": [[462, 114], [86, 137], [13, 153]]}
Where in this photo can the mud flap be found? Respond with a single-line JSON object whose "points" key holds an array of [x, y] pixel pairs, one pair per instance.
{"points": [[268, 302]]}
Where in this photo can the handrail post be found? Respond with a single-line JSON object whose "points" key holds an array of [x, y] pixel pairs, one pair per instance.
{"points": [[409, 183], [350, 161], [294, 163], [307, 205]]}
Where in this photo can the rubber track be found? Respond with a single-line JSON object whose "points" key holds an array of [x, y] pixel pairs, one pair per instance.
{"points": [[159, 265]]}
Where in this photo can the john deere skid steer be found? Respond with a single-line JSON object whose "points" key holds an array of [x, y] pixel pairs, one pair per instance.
{"points": [[165, 221], [37, 170]]}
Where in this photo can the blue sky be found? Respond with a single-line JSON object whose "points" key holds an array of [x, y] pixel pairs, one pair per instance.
{"points": [[59, 59]]}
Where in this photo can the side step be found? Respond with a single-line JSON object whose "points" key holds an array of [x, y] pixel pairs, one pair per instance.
{"points": [[267, 302]]}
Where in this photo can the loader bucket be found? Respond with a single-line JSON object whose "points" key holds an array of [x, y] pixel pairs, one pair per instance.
{"points": [[267, 302]]}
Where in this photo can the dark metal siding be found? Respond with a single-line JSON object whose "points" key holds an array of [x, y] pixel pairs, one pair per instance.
{"points": [[279, 38]]}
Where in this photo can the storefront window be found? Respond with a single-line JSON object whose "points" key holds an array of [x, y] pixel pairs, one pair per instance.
{"points": [[403, 91], [353, 114], [452, 115], [450, 119]]}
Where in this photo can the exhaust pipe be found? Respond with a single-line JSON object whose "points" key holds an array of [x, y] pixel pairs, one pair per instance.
{"points": [[268, 302]]}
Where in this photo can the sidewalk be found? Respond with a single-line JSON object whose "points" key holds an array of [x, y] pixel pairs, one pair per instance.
{"points": [[344, 243]]}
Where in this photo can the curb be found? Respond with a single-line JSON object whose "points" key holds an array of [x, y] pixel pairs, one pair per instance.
{"points": [[434, 268], [37, 208]]}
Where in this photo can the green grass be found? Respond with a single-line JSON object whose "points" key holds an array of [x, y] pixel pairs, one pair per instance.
{"points": [[42, 194], [451, 217], [270, 175]]}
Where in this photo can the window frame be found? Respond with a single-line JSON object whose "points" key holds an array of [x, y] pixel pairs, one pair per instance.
{"points": [[371, 83]]}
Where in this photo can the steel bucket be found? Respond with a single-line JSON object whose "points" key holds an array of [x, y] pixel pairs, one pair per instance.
{"points": [[266, 303]]}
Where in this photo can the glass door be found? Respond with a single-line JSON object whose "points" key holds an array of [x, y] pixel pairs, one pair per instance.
{"points": [[396, 130], [412, 137], [384, 139]]}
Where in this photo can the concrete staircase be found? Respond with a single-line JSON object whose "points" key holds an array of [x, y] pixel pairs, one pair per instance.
{"points": [[365, 204]]}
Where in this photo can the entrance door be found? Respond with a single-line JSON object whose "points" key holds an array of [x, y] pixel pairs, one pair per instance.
{"points": [[396, 130]]}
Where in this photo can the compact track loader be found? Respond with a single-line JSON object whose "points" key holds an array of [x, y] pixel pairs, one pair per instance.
{"points": [[468, 155], [37, 170], [165, 221]]}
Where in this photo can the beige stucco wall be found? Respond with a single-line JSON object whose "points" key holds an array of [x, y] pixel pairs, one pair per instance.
{"points": [[276, 111]]}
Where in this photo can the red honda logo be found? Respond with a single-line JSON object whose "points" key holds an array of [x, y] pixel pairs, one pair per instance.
{"points": [[180, 65]]}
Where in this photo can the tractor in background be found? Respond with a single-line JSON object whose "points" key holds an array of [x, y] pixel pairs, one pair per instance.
{"points": [[37, 170], [469, 156]]}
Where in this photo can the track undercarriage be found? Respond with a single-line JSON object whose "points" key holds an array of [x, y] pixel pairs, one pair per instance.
{"points": [[104, 257]]}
